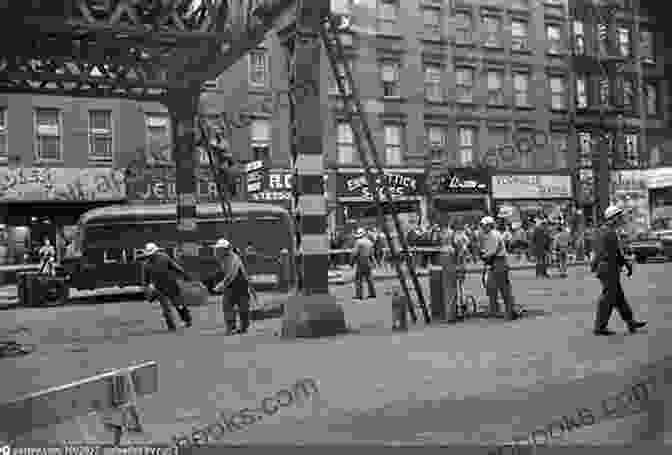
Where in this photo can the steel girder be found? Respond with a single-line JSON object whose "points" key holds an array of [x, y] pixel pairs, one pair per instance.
{"points": [[134, 49]]}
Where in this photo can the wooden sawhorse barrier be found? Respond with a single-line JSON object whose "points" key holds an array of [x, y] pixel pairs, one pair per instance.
{"points": [[112, 395]]}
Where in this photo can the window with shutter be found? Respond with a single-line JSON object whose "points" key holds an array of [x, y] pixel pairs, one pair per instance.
{"points": [[521, 83], [465, 85], [433, 89], [558, 93], [466, 144], [100, 136], [48, 134]]}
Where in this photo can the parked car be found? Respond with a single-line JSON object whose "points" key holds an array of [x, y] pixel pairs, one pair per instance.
{"points": [[655, 243]]}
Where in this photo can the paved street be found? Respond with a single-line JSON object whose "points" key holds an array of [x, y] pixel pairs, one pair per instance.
{"points": [[481, 381]]}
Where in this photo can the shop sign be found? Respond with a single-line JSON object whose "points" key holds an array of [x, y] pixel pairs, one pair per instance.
{"points": [[158, 184], [61, 184], [532, 187], [401, 185], [659, 177], [461, 181], [277, 186]]}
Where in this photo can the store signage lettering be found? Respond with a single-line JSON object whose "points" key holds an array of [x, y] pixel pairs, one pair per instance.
{"points": [[531, 186], [397, 184], [462, 181], [61, 184], [159, 185], [659, 177]]}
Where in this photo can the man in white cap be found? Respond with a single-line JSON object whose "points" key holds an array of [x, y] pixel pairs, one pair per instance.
{"points": [[608, 261], [234, 283], [161, 275], [494, 257], [362, 259]]}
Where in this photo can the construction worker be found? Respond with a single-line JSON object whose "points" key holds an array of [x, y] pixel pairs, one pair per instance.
{"points": [[362, 260], [493, 255], [608, 262], [162, 274], [234, 285]]}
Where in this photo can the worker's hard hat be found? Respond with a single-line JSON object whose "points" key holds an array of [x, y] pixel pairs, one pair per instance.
{"points": [[150, 249], [487, 220], [612, 211], [223, 244]]}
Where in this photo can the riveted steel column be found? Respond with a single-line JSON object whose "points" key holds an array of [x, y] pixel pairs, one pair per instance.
{"points": [[309, 138], [182, 104]]}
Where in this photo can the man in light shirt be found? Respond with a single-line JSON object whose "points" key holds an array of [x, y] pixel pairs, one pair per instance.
{"points": [[362, 259], [494, 257]]}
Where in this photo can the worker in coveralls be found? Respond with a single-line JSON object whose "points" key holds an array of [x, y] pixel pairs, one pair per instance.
{"points": [[234, 285], [161, 276], [608, 262], [362, 260], [493, 254]]}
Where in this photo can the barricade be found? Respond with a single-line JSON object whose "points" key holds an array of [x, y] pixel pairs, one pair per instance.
{"points": [[111, 395]]}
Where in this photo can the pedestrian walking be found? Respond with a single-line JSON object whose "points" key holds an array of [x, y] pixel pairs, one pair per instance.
{"points": [[494, 258], [541, 246], [162, 275], [608, 262], [561, 243], [362, 260], [234, 284]]}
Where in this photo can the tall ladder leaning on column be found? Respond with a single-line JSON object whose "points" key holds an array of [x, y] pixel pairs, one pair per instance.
{"points": [[361, 132], [207, 134]]}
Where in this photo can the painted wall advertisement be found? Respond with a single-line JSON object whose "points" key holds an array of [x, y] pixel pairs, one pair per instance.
{"points": [[157, 184], [61, 184], [531, 187], [629, 189]]}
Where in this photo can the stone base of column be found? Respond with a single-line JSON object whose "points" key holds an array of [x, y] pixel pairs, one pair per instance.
{"points": [[313, 316]]}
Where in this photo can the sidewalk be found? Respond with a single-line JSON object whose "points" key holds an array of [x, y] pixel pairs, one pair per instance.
{"points": [[475, 382]]}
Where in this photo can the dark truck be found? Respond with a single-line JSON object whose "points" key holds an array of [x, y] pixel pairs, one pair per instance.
{"points": [[655, 243]]}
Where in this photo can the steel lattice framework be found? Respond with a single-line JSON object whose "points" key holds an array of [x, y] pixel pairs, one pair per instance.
{"points": [[134, 49]]}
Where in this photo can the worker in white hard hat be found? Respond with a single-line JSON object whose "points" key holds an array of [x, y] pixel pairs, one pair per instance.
{"points": [[234, 285], [363, 261], [497, 282], [162, 274], [608, 262]]}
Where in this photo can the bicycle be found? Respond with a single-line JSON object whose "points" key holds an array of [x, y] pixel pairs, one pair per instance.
{"points": [[14, 349]]}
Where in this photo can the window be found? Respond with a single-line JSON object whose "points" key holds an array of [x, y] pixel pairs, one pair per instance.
{"points": [[623, 34], [389, 74], [631, 155], [558, 93], [436, 139], [463, 27], [605, 92], [628, 94], [603, 39], [559, 149], [491, 28], [579, 38], [4, 153], [393, 145], [260, 134], [554, 38], [585, 149], [259, 68], [646, 45], [333, 85], [581, 92], [433, 89], [495, 88], [100, 135], [518, 35], [651, 99], [521, 86], [158, 137], [48, 134], [388, 11], [465, 85], [466, 142], [345, 144], [432, 19]]}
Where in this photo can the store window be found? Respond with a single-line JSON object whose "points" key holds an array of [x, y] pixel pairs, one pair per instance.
{"points": [[393, 144], [4, 152], [100, 136], [260, 139], [159, 143], [345, 144], [433, 90], [467, 144], [48, 134]]}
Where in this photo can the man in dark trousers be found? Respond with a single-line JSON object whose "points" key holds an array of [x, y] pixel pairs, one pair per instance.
{"points": [[235, 285], [362, 259], [161, 275], [608, 261], [541, 243]]}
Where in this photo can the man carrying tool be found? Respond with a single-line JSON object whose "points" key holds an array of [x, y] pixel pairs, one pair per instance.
{"points": [[493, 255], [234, 284], [607, 263]]}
